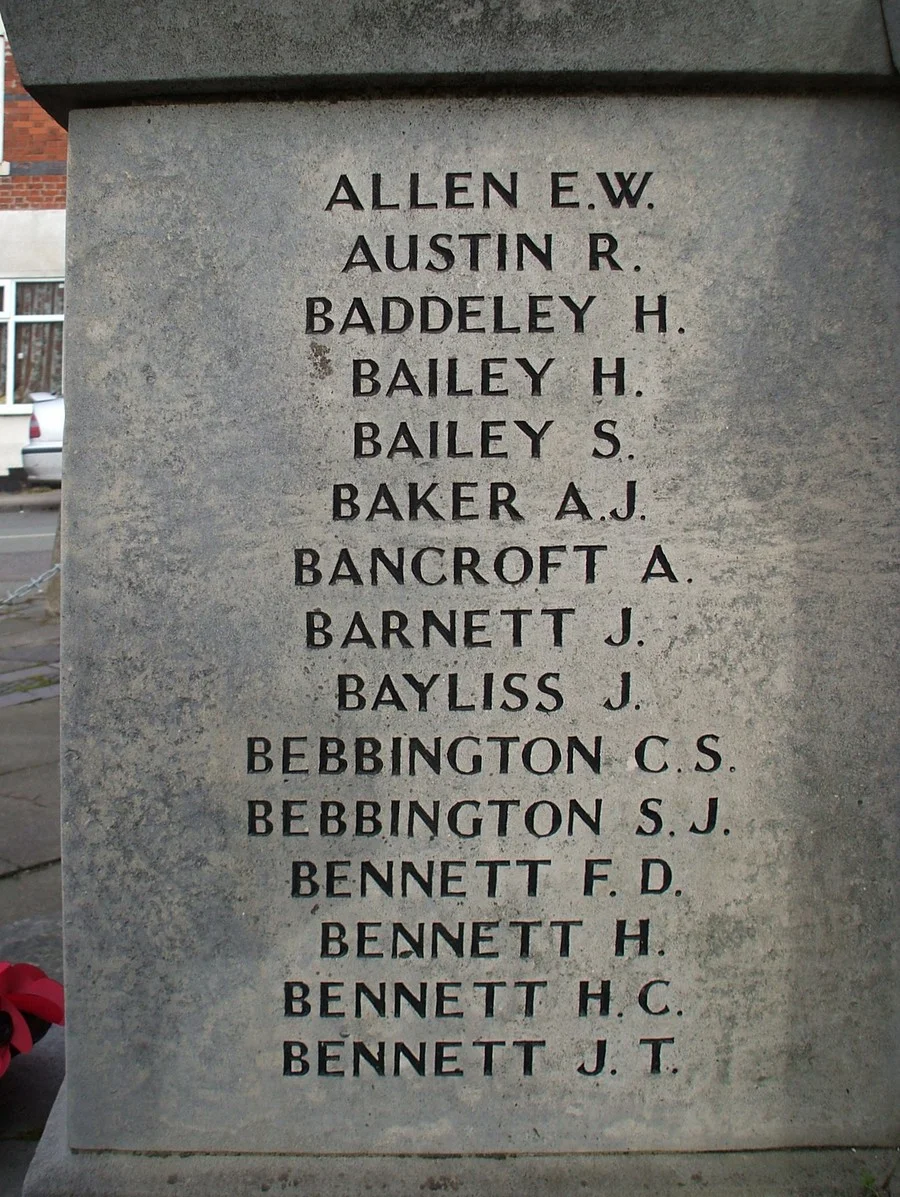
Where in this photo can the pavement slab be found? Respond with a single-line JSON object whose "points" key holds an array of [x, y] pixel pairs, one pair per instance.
{"points": [[29, 778], [36, 941], [29, 735], [30, 892], [28, 683], [25, 626], [29, 834], [29, 691], [20, 656], [36, 783], [29, 770]]}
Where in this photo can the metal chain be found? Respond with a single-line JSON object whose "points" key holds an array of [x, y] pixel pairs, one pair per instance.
{"points": [[22, 591]]}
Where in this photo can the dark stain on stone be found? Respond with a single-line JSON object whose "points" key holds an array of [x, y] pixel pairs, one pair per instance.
{"points": [[320, 359]]}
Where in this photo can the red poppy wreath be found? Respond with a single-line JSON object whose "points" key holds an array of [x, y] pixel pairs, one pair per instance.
{"points": [[29, 1002]]}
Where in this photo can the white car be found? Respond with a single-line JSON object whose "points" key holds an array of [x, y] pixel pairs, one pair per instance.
{"points": [[42, 456]]}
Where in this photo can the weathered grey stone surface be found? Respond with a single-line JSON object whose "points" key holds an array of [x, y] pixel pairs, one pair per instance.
{"points": [[59, 1172], [27, 1093], [207, 429], [891, 11], [82, 52]]}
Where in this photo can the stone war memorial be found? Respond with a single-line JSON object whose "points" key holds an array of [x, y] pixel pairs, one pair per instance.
{"points": [[478, 596]]}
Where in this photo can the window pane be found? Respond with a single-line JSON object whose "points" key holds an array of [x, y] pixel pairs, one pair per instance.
{"points": [[39, 299], [38, 358], [3, 335]]}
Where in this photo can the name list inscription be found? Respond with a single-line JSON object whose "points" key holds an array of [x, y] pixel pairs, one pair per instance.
{"points": [[486, 893]]}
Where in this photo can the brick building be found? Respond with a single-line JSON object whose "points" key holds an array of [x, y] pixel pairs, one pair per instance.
{"points": [[32, 247]]}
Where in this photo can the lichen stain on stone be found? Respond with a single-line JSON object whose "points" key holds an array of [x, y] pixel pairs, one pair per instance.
{"points": [[468, 12], [538, 10], [529, 10], [320, 360]]}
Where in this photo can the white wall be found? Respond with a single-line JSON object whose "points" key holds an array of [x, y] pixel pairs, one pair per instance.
{"points": [[32, 245]]}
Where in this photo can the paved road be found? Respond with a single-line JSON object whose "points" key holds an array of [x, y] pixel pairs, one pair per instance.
{"points": [[26, 544]]}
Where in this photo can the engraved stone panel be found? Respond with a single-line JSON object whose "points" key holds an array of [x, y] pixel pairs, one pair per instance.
{"points": [[478, 603]]}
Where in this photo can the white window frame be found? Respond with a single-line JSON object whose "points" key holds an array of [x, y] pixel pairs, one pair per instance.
{"points": [[3, 105], [9, 318], [4, 50]]}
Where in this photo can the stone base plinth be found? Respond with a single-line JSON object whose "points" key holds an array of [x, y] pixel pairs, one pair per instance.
{"points": [[58, 1172]]}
